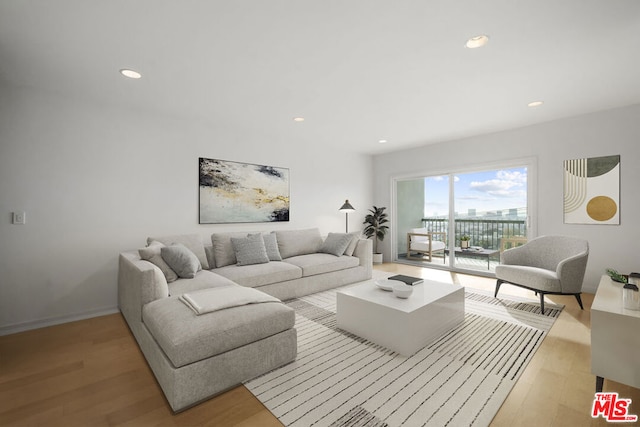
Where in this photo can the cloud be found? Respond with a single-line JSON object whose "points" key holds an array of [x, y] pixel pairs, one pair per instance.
{"points": [[507, 184]]}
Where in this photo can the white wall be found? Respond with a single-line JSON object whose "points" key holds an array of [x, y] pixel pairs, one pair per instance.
{"points": [[95, 180], [599, 134]]}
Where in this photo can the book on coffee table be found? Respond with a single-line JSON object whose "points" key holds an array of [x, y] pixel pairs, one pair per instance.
{"points": [[407, 279]]}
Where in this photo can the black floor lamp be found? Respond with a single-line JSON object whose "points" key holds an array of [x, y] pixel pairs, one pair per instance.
{"points": [[346, 208]]}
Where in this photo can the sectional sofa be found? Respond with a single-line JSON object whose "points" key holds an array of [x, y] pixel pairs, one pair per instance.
{"points": [[209, 316]]}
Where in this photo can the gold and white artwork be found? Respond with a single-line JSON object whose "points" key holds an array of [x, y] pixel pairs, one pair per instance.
{"points": [[592, 190], [242, 192]]}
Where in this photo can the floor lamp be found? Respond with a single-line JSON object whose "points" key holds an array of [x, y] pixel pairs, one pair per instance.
{"points": [[346, 208]]}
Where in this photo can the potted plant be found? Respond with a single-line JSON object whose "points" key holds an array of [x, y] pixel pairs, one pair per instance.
{"points": [[464, 241], [377, 229]]}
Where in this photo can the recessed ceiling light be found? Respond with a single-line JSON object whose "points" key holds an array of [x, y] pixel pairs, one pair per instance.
{"points": [[477, 41], [298, 119], [130, 73], [382, 141], [535, 104]]}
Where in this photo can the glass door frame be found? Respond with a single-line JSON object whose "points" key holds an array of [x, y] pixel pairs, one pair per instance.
{"points": [[532, 195]]}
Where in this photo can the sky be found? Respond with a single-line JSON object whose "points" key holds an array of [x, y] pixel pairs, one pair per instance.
{"points": [[483, 191]]}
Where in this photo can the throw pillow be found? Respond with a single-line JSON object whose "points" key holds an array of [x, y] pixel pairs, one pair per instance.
{"points": [[271, 245], [193, 242], [250, 250], [223, 249], [336, 243], [181, 260], [152, 254], [352, 245]]}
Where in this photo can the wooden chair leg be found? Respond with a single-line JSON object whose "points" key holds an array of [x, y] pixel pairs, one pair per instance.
{"points": [[579, 298], [542, 302]]}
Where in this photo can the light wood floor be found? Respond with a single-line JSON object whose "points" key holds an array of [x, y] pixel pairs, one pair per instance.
{"points": [[91, 373]]}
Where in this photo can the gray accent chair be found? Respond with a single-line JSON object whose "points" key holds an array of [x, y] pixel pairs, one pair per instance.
{"points": [[547, 265]]}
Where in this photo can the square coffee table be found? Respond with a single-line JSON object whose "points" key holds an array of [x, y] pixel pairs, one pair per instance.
{"points": [[402, 325]]}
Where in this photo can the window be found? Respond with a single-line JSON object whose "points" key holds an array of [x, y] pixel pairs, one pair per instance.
{"points": [[491, 204]]}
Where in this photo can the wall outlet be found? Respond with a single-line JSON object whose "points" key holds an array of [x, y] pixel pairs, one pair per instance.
{"points": [[19, 218]]}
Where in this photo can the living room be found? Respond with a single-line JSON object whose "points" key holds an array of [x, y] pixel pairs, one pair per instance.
{"points": [[98, 163]]}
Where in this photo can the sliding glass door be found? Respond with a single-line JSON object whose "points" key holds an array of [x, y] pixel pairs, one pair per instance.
{"points": [[476, 213]]}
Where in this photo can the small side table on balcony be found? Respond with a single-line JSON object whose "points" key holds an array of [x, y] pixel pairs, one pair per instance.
{"points": [[474, 253]]}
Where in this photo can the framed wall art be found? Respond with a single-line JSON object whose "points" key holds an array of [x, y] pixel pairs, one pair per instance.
{"points": [[592, 190], [233, 192]]}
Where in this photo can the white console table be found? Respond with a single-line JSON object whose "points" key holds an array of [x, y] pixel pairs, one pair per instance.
{"points": [[615, 337]]}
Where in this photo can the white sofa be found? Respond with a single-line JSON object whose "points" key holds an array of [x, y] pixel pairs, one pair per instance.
{"points": [[195, 357]]}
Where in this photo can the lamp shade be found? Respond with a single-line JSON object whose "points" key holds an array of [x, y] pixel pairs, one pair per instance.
{"points": [[346, 207]]}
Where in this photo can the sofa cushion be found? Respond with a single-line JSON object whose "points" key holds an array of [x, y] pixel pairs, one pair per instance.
{"points": [[271, 245], [204, 279], [336, 243], [322, 263], [181, 260], [223, 249], [298, 242], [152, 254], [260, 274], [191, 241], [187, 338], [250, 249]]}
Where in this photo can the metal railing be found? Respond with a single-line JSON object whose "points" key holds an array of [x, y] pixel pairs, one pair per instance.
{"points": [[483, 232]]}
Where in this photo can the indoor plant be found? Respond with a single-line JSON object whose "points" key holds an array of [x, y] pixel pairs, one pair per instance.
{"points": [[464, 241], [377, 229]]}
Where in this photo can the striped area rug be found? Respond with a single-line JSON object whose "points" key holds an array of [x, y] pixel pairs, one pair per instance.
{"points": [[461, 379]]}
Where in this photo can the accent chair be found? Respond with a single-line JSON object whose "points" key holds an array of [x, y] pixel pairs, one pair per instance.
{"points": [[547, 265]]}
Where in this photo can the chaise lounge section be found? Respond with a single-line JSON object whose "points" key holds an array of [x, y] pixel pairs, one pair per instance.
{"points": [[196, 356]]}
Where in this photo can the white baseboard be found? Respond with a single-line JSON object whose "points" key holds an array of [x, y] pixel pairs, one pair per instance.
{"points": [[43, 323]]}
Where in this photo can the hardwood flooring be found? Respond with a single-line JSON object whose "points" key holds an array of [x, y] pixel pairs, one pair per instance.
{"points": [[91, 373]]}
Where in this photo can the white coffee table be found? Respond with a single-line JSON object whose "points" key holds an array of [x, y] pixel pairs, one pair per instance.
{"points": [[402, 325]]}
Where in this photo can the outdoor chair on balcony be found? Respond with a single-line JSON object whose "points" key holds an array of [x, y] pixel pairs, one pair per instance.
{"points": [[547, 265], [426, 243], [512, 242]]}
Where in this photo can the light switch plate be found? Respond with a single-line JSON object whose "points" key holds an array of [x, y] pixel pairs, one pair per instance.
{"points": [[19, 218]]}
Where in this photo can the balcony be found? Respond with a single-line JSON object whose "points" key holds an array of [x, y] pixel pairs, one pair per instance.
{"points": [[494, 234], [487, 233]]}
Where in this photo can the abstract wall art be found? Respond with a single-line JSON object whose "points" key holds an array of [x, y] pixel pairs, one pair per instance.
{"points": [[592, 190], [232, 192]]}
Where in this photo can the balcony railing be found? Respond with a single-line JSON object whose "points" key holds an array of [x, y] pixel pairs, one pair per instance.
{"points": [[487, 233]]}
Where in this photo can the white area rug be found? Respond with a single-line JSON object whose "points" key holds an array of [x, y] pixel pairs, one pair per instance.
{"points": [[461, 379]]}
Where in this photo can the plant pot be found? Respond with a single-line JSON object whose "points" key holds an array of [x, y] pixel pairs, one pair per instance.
{"points": [[377, 258], [464, 244]]}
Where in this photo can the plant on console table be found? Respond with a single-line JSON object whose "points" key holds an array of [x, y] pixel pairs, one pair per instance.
{"points": [[377, 229], [464, 242]]}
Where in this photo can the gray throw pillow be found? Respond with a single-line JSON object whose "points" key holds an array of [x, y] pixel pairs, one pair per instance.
{"points": [[152, 254], [271, 245], [223, 252], [193, 242], [250, 250], [336, 243], [352, 245], [181, 260]]}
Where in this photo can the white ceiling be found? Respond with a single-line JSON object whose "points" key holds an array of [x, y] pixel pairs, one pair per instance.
{"points": [[357, 70]]}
